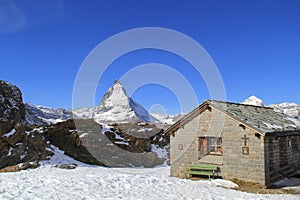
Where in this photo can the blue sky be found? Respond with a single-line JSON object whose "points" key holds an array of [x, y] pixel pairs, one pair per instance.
{"points": [[255, 45]]}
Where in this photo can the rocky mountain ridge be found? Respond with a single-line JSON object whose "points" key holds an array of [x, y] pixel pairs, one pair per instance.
{"points": [[115, 106], [41, 115]]}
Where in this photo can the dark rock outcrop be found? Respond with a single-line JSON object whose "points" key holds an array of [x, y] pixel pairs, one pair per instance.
{"points": [[21, 166], [23, 145], [84, 141], [65, 136], [19, 143], [12, 109]]}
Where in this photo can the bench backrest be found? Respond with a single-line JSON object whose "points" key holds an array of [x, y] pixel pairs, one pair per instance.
{"points": [[203, 167]]}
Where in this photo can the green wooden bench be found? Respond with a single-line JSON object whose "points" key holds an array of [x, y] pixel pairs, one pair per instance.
{"points": [[205, 170]]}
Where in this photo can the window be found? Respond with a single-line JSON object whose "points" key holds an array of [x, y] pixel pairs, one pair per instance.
{"points": [[210, 146]]}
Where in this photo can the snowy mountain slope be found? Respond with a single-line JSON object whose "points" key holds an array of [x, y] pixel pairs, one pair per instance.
{"points": [[290, 109], [254, 101], [116, 106], [41, 115]]}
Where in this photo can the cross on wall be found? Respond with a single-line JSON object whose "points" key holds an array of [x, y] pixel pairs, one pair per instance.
{"points": [[245, 138]]}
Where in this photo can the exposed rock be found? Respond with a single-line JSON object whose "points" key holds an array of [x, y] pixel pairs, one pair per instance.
{"points": [[21, 166], [12, 109], [114, 148], [67, 166], [18, 143], [150, 159], [65, 136], [23, 146]]}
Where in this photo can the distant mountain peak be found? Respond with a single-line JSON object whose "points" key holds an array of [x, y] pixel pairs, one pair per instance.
{"points": [[254, 101], [115, 96], [116, 106]]}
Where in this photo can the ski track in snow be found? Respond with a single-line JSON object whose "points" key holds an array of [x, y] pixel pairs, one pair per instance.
{"points": [[48, 182]]}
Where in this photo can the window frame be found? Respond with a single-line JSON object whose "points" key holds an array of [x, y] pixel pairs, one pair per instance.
{"points": [[212, 146]]}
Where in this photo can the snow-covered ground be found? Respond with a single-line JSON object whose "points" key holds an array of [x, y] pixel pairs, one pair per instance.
{"points": [[89, 182]]}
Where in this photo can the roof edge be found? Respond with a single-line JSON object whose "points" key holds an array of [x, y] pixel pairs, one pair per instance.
{"points": [[191, 115], [209, 103]]}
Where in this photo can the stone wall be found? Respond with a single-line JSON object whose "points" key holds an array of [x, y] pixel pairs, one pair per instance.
{"points": [[184, 147], [232, 163], [236, 164], [283, 160]]}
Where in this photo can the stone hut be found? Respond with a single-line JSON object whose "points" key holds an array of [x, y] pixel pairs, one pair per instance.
{"points": [[246, 142]]}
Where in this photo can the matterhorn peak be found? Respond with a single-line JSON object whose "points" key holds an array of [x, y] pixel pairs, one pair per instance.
{"points": [[115, 97], [116, 106], [117, 84], [254, 101]]}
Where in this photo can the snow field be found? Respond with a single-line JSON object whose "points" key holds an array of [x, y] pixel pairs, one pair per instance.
{"points": [[90, 182]]}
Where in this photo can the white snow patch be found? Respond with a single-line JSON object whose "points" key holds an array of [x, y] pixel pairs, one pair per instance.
{"points": [[273, 126], [119, 137], [225, 183], [161, 152], [9, 133], [296, 121], [106, 128], [144, 129], [59, 158], [9, 151], [83, 135], [47, 182], [122, 142], [53, 121]]}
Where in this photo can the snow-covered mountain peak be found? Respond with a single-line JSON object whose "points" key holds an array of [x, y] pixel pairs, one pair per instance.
{"points": [[115, 97], [254, 101], [116, 106]]}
